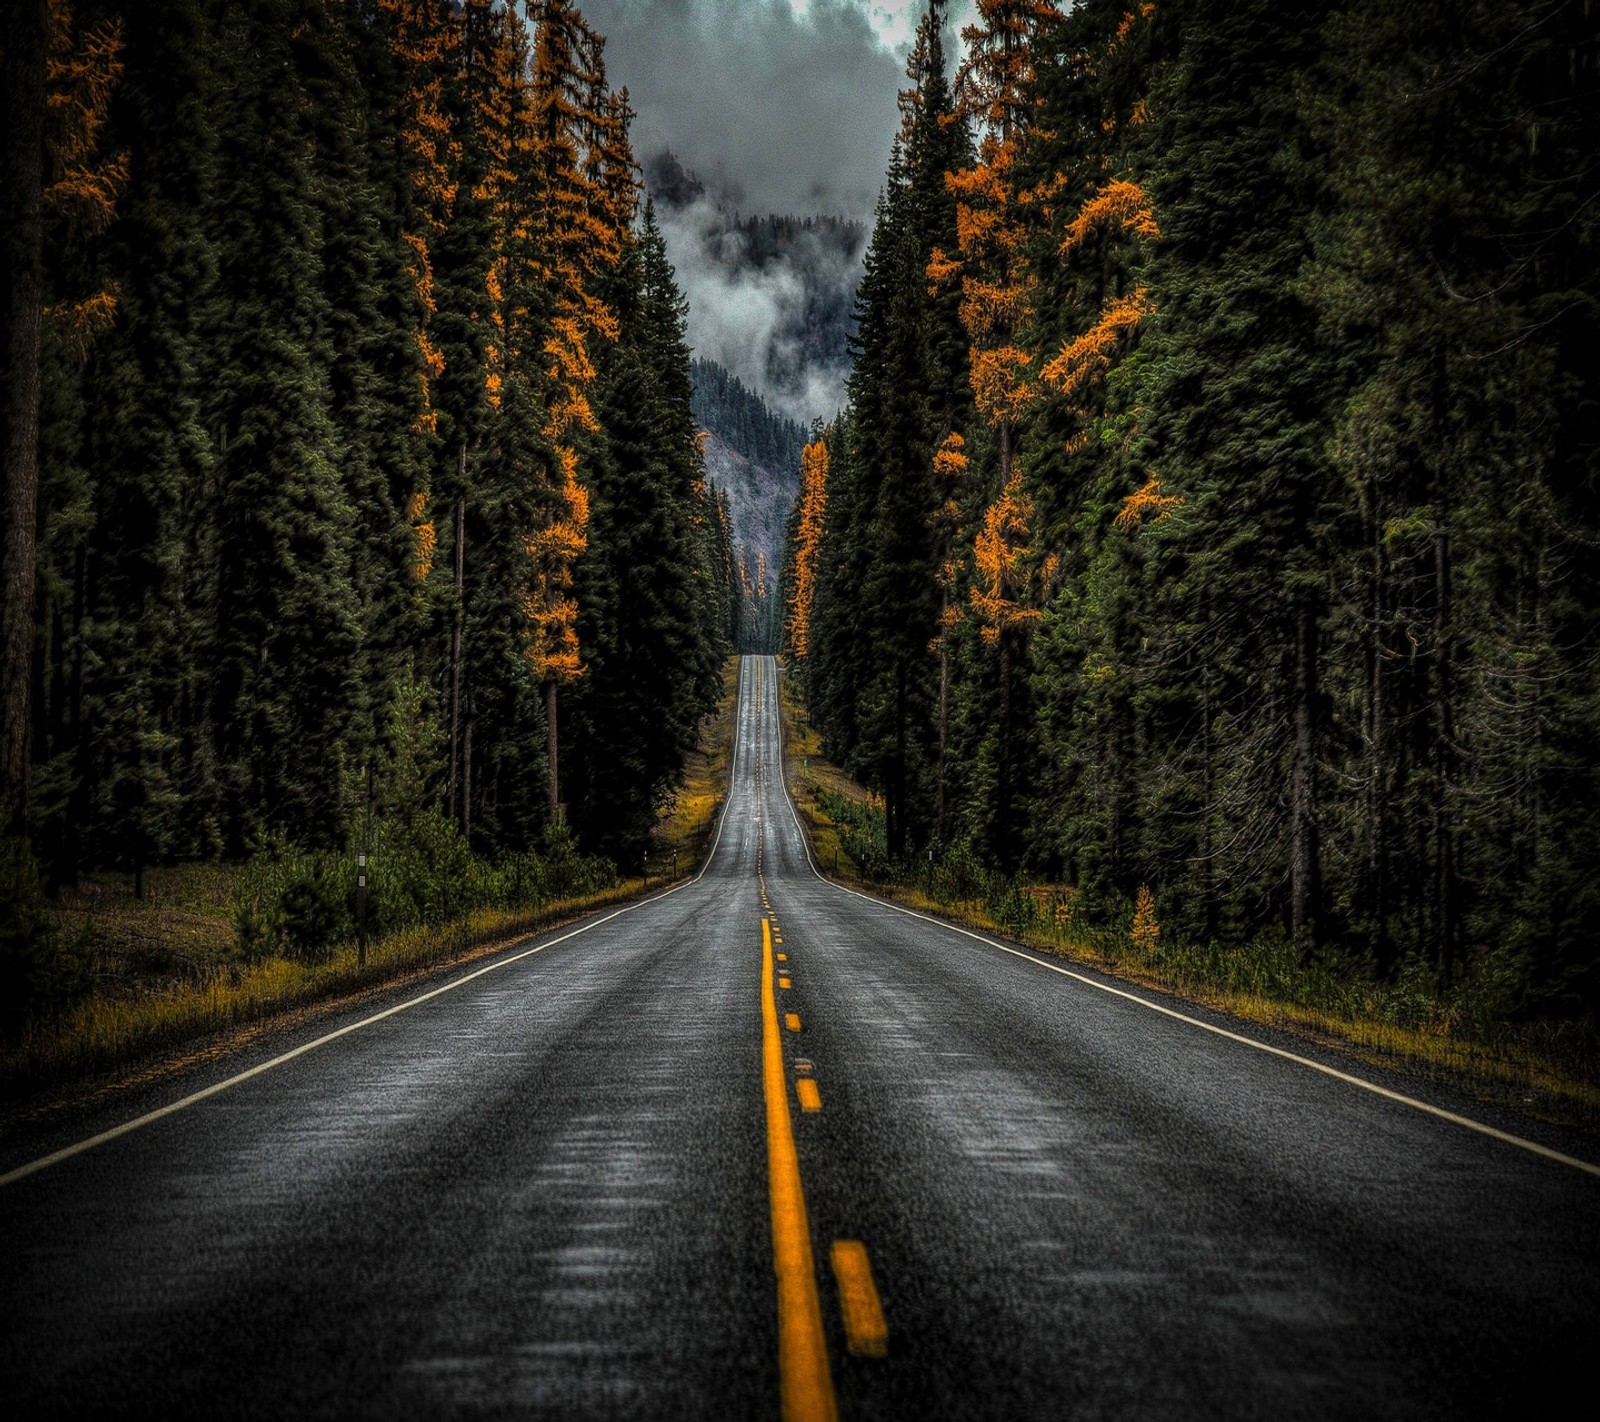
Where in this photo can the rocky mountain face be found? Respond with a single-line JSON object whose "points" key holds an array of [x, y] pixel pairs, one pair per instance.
{"points": [[758, 500], [751, 452]]}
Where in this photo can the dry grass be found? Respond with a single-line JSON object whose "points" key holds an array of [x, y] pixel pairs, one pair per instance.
{"points": [[684, 832], [181, 929], [810, 775], [112, 1029]]}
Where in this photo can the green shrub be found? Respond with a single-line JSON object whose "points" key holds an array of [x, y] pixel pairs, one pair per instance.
{"points": [[293, 903], [421, 873]]}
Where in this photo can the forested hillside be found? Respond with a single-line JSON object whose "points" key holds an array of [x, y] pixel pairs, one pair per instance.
{"points": [[349, 402], [739, 417], [1213, 519]]}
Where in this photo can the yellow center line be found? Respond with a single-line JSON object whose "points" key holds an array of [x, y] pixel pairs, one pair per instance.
{"points": [[785, 984], [783, 957], [791, 1020], [810, 1096], [804, 1378], [865, 1331]]}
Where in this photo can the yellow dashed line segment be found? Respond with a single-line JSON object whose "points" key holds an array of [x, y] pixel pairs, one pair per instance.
{"points": [[865, 1331]]}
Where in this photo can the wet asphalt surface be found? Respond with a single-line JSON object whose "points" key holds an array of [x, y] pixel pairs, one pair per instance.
{"points": [[544, 1193]]}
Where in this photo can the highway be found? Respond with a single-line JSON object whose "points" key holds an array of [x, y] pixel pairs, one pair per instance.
{"points": [[760, 1146]]}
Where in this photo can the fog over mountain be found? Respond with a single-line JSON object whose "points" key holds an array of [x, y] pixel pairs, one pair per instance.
{"points": [[770, 297], [773, 112]]}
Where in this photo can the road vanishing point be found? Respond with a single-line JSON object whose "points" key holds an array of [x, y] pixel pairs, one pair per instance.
{"points": [[761, 1146]]}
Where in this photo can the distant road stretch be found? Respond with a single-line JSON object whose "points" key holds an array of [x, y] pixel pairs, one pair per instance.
{"points": [[761, 1146]]}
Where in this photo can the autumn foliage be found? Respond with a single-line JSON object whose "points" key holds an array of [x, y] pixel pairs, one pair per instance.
{"points": [[807, 543], [1248, 570], [83, 183], [991, 262], [580, 169], [348, 385], [999, 551]]}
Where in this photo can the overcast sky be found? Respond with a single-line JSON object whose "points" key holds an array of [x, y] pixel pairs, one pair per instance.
{"points": [[787, 105]]}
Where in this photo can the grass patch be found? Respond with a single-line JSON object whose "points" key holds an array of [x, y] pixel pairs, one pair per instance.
{"points": [[683, 833], [1547, 1070]]}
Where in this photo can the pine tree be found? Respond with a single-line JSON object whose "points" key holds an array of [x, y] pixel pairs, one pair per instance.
{"points": [[1092, 227], [991, 268], [577, 240], [25, 61], [58, 85], [285, 630], [653, 648], [134, 681], [1238, 397]]}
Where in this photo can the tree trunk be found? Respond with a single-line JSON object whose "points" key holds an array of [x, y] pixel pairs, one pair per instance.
{"points": [[1443, 689], [553, 743], [466, 782], [944, 720], [1444, 751], [1377, 767], [1003, 775], [895, 818], [24, 188], [1305, 890], [455, 645]]}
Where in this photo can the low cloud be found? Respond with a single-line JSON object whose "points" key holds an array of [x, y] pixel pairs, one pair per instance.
{"points": [[782, 112], [776, 320]]}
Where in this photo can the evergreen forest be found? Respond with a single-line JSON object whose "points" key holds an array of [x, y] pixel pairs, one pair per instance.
{"points": [[350, 461], [1212, 524]]}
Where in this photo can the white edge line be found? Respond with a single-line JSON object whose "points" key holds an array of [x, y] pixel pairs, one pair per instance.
{"points": [[217, 1088], [1521, 1142]]}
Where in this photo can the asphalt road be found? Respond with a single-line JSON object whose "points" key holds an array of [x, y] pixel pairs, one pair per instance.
{"points": [[607, 1174]]}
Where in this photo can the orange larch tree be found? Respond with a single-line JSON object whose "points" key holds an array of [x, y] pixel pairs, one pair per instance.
{"points": [[493, 53], [808, 543], [84, 183], [991, 265], [1095, 242], [1098, 219], [999, 595], [580, 168], [423, 39], [997, 296]]}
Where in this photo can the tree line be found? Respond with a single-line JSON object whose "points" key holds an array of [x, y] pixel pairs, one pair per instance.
{"points": [[350, 457], [1212, 520]]}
